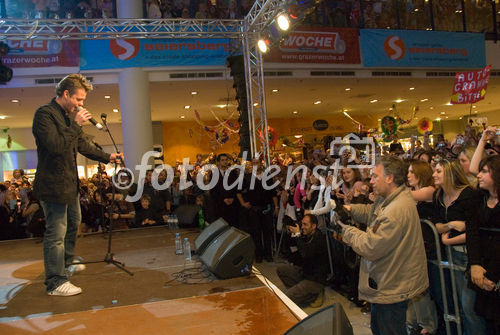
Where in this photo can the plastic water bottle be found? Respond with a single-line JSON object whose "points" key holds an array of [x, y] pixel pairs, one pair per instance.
{"points": [[176, 222], [201, 219], [170, 222], [178, 244], [187, 249]]}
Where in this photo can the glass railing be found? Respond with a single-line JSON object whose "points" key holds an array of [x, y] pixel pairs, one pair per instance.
{"points": [[481, 16]]}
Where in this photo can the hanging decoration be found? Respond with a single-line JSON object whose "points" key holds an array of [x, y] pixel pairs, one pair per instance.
{"points": [[403, 121], [272, 136], [424, 124], [359, 124], [389, 127], [221, 131]]}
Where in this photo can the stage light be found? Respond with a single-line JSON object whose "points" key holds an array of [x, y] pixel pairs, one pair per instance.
{"points": [[263, 45], [283, 22], [5, 73], [4, 49], [293, 11]]}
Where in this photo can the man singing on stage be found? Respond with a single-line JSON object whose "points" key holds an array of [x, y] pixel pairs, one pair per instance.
{"points": [[57, 127]]}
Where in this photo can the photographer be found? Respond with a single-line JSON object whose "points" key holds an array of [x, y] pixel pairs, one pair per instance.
{"points": [[305, 283], [393, 265]]}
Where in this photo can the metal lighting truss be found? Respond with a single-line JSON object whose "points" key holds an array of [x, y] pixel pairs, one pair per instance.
{"points": [[260, 16], [256, 98], [89, 29]]}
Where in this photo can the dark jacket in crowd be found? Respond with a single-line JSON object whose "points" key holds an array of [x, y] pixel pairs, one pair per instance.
{"points": [[256, 194], [313, 252], [58, 139], [483, 248], [462, 209]]}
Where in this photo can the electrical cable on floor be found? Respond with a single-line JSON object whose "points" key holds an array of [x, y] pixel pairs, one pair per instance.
{"points": [[191, 275]]}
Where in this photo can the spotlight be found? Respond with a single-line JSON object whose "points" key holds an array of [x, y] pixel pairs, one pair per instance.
{"points": [[283, 22], [293, 11], [5, 73], [4, 49], [263, 45]]}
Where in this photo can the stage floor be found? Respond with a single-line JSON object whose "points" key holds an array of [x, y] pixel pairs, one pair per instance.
{"points": [[166, 295]]}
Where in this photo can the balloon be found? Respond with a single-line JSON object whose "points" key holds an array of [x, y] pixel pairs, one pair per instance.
{"points": [[424, 124], [272, 136]]}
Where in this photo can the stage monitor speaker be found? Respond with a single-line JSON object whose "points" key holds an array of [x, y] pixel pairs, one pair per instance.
{"points": [[208, 234], [230, 254], [330, 320]]}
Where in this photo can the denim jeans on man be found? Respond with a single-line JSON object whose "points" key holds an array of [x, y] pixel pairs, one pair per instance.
{"points": [[62, 222], [389, 319]]}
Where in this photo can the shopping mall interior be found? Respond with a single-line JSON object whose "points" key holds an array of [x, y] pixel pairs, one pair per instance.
{"points": [[343, 68]]}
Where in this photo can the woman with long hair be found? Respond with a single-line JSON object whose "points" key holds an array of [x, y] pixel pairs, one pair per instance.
{"points": [[465, 158], [483, 244], [352, 184], [421, 309], [455, 204]]}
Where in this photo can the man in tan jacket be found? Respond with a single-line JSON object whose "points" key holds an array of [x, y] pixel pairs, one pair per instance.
{"points": [[393, 265]]}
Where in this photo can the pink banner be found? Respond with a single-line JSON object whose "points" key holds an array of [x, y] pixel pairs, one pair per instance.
{"points": [[470, 86], [36, 53]]}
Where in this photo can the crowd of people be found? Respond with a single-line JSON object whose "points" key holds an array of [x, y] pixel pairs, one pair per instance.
{"points": [[374, 14], [455, 185]]}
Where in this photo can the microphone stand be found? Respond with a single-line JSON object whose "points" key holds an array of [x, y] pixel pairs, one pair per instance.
{"points": [[109, 257]]}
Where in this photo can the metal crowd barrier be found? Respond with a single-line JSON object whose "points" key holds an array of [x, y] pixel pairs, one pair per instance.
{"points": [[441, 266]]}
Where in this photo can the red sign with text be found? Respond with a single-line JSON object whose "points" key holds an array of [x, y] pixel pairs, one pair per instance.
{"points": [[470, 86], [42, 53], [317, 45]]}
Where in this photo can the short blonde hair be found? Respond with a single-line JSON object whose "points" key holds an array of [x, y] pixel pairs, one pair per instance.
{"points": [[71, 83]]}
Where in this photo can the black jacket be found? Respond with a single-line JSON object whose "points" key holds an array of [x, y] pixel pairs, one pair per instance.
{"points": [[58, 139], [483, 248], [462, 209], [314, 253]]}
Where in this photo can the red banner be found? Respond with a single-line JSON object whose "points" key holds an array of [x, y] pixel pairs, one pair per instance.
{"points": [[42, 53], [317, 45], [470, 86]]}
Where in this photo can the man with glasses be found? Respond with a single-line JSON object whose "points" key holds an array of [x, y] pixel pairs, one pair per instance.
{"points": [[393, 267]]}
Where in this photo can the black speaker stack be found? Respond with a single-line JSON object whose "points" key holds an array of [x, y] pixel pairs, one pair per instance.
{"points": [[227, 252]]}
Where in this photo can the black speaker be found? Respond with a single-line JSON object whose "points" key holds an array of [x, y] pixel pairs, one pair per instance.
{"points": [[209, 233], [330, 320], [230, 254]]}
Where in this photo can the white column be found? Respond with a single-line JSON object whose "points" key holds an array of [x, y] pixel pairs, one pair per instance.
{"points": [[129, 9], [137, 128], [135, 108]]}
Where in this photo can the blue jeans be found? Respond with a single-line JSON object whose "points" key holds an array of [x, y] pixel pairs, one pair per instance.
{"points": [[472, 323], [62, 222], [389, 319]]}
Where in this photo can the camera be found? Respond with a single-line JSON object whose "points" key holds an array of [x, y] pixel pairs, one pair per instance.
{"points": [[344, 215]]}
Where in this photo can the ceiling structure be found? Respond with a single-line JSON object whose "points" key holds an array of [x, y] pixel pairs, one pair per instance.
{"points": [[296, 97]]}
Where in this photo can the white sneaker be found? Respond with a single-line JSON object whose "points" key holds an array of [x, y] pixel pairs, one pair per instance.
{"points": [[66, 289]]}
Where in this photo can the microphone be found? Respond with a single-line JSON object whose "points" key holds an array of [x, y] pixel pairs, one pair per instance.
{"points": [[104, 117], [92, 120]]}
